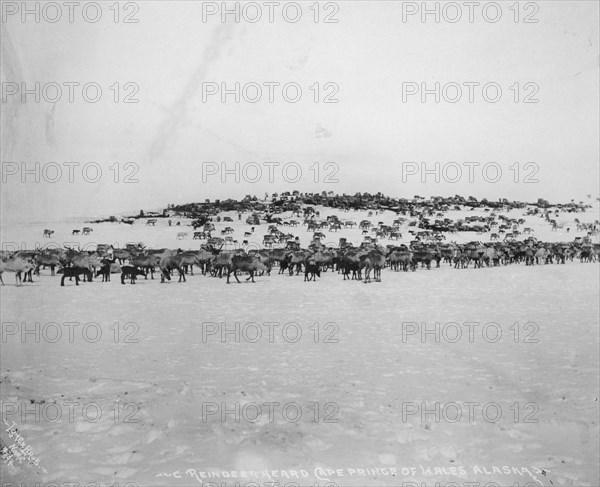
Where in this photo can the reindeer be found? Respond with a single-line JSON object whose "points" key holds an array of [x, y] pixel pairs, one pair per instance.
{"points": [[246, 263], [74, 271], [19, 266], [104, 271], [131, 272], [311, 270]]}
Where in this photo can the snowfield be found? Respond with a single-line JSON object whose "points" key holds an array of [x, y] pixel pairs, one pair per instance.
{"points": [[355, 385]]}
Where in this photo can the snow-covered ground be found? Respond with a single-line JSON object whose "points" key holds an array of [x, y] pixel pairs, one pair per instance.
{"points": [[360, 375]]}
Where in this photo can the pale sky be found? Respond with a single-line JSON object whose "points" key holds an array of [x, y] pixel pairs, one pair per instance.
{"points": [[368, 54]]}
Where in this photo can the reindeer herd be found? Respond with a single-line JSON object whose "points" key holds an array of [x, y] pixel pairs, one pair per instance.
{"points": [[364, 262]]}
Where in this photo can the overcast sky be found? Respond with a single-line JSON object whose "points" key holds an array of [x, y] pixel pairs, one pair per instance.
{"points": [[170, 54]]}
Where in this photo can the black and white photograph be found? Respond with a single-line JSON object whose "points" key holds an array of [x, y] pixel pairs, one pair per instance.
{"points": [[302, 243]]}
